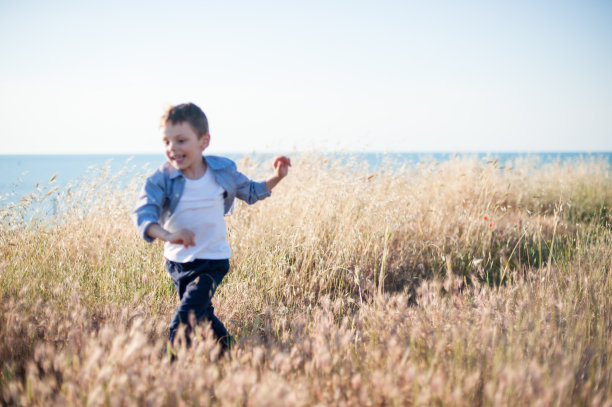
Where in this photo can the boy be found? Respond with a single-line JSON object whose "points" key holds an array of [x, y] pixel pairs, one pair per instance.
{"points": [[183, 204]]}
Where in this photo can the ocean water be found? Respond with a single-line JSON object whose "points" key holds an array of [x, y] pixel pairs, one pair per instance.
{"points": [[22, 174]]}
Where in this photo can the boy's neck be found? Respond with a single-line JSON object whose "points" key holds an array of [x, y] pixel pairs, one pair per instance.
{"points": [[197, 172]]}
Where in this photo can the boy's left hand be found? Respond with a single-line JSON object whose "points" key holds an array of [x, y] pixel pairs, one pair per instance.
{"points": [[281, 169], [281, 166]]}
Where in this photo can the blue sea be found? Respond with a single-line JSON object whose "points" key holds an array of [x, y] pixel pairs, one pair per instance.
{"points": [[21, 174]]}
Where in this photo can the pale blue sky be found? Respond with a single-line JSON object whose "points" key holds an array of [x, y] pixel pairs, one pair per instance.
{"points": [[279, 76]]}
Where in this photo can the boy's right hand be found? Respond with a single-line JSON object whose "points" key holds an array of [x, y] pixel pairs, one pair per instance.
{"points": [[183, 236]]}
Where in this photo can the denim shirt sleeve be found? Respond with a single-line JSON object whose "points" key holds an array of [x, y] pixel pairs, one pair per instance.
{"points": [[248, 190], [150, 204]]}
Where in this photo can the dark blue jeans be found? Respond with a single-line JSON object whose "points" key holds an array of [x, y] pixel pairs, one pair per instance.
{"points": [[196, 283]]}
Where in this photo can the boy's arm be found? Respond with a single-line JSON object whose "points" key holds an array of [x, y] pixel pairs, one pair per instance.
{"points": [[251, 191], [148, 211], [183, 236], [149, 206]]}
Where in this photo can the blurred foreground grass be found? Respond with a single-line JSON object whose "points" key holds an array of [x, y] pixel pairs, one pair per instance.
{"points": [[454, 283]]}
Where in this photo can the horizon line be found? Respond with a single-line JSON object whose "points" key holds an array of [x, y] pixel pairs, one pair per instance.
{"points": [[460, 152]]}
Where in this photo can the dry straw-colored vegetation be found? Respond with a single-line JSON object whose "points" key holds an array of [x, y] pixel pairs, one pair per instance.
{"points": [[458, 283]]}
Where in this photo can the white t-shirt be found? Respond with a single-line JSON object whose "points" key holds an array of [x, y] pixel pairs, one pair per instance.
{"points": [[200, 210]]}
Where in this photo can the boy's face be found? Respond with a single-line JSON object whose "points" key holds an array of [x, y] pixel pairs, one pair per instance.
{"points": [[184, 148]]}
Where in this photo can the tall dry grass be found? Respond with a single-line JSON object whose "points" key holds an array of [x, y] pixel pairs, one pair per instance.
{"points": [[350, 286]]}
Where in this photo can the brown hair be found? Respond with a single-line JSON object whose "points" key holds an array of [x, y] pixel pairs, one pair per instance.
{"points": [[186, 112]]}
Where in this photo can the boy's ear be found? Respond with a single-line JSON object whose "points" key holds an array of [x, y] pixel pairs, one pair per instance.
{"points": [[205, 140]]}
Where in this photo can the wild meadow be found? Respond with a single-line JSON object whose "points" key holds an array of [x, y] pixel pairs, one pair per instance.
{"points": [[456, 283]]}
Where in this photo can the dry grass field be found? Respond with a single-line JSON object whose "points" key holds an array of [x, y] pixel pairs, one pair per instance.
{"points": [[459, 283]]}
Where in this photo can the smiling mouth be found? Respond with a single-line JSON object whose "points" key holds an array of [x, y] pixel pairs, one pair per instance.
{"points": [[177, 158]]}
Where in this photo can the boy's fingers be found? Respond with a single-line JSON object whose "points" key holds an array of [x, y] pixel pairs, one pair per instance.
{"points": [[282, 160]]}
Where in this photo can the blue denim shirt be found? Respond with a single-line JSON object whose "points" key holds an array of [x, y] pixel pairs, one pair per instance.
{"points": [[163, 190]]}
